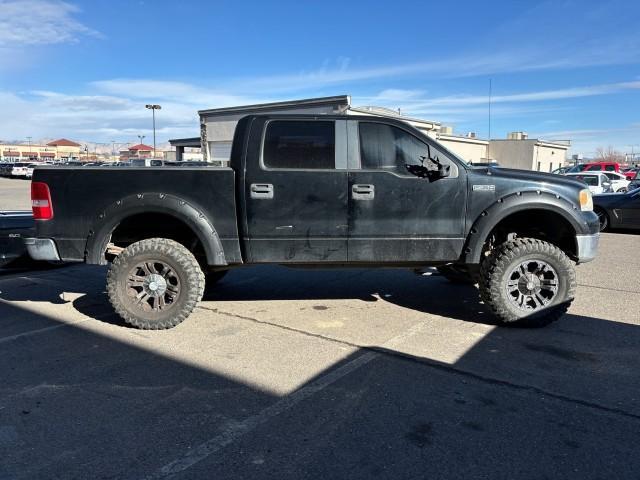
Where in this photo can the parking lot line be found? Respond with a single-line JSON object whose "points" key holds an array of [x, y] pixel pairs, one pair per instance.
{"points": [[236, 430], [39, 331]]}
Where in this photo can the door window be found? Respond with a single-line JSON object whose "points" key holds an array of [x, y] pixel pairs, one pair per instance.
{"points": [[594, 168], [384, 147], [300, 144], [610, 168]]}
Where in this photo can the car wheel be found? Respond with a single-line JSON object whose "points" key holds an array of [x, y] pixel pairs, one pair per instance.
{"points": [[603, 218], [527, 282], [155, 284]]}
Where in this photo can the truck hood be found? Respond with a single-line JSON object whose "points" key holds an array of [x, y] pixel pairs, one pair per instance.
{"points": [[527, 177]]}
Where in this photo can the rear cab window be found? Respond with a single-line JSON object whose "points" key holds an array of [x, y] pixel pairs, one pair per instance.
{"points": [[299, 144]]}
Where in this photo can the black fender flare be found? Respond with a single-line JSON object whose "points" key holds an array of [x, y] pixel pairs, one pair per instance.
{"points": [[107, 220], [514, 203]]}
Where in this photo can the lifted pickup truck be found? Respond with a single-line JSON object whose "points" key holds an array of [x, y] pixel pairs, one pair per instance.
{"points": [[318, 191]]}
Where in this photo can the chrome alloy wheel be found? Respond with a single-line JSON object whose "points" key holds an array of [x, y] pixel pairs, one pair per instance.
{"points": [[153, 286], [532, 285]]}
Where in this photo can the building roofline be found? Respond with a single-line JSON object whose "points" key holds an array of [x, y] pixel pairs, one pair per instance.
{"points": [[184, 142], [461, 138], [536, 140], [305, 102], [391, 114]]}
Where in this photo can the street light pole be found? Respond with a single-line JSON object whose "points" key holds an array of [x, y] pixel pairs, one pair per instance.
{"points": [[153, 109], [29, 140]]}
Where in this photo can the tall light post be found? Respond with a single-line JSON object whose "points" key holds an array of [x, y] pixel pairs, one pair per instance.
{"points": [[30, 154], [153, 109]]}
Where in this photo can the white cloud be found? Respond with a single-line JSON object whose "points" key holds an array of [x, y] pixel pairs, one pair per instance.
{"points": [[413, 101], [114, 109], [39, 22]]}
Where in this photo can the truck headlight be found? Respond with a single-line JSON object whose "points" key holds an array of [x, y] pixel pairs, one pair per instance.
{"points": [[586, 200]]}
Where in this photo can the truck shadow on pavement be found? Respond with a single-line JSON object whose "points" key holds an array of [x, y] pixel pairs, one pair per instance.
{"points": [[559, 402]]}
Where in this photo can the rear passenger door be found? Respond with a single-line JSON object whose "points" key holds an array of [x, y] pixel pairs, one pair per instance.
{"points": [[296, 191]]}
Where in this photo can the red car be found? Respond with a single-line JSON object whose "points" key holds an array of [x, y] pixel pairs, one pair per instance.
{"points": [[603, 166]]}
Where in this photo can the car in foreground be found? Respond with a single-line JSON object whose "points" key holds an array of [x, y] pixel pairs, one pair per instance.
{"points": [[316, 192], [596, 181], [14, 227], [618, 211]]}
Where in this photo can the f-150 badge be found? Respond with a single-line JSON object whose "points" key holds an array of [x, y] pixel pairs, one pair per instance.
{"points": [[484, 188]]}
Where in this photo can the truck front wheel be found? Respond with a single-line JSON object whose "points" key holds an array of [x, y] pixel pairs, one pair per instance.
{"points": [[155, 283], [527, 281]]}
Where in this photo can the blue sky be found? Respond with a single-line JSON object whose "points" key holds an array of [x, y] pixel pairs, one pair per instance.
{"points": [[85, 69]]}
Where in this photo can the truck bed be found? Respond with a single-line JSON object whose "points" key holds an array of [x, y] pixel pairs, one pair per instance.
{"points": [[82, 197]]}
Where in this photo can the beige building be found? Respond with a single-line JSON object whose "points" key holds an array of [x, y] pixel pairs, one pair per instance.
{"points": [[470, 148], [519, 151], [58, 150]]}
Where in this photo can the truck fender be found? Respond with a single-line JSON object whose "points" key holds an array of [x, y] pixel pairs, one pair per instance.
{"points": [[514, 203], [113, 214]]}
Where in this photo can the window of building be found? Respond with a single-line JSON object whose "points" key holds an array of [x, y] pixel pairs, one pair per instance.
{"points": [[384, 147], [300, 144]]}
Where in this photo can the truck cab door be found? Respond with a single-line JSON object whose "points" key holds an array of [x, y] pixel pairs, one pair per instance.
{"points": [[295, 188], [395, 216]]}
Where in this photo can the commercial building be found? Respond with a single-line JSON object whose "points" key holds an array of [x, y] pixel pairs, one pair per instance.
{"points": [[60, 150], [136, 151], [520, 151], [186, 149]]}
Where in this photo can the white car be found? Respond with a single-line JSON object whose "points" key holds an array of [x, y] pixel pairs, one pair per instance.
{"points": [[619, 182], [596, 181], [18, 169]]}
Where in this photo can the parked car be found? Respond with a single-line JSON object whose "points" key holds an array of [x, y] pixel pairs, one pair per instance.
{"points": [[635, 183], [618, 211], [14, 226], [561, 170], [632, 173], [597, 182], [619, 183], [303, 190], [598, 167], [19, 169]]}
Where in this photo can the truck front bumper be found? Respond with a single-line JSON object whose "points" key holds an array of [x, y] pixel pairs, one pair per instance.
{"points": [[42, 249], [587, 247]]}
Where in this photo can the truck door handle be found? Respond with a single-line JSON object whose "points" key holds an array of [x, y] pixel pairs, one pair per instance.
{"points": [[261, 190], [363, 192]]}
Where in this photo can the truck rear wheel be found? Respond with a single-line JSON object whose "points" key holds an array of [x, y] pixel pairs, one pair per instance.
{"points": [[155, 283], [528, 282]]}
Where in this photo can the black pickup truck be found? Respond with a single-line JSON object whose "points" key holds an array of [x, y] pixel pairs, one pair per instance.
{"points": [[318, 191]]}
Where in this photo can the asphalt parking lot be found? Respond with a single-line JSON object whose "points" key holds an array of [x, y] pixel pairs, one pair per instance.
{"points": [[285, 373]]}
